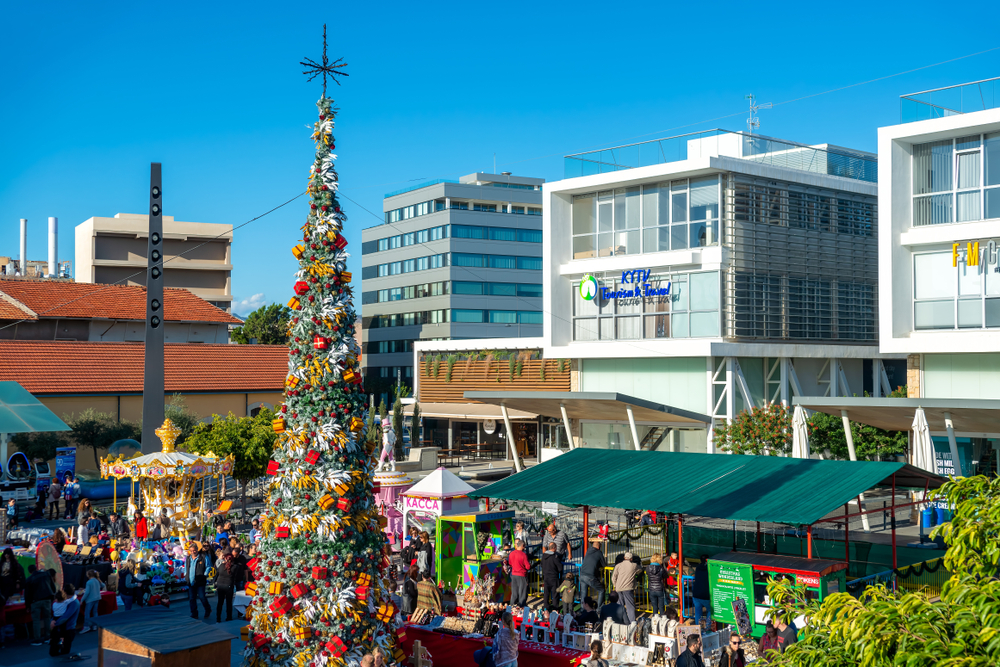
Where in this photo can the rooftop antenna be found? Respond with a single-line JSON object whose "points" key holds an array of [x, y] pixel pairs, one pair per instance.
{"points": [[753, 121]]}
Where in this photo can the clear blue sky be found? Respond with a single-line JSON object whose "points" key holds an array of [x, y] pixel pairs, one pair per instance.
{"points": [[91, 93]]}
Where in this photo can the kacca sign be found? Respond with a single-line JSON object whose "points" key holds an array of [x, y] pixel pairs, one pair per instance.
{"points": [[975, 254], [639, 278]]}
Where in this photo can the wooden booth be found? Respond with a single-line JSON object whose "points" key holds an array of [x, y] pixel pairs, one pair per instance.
{"points": [[468, 547]]}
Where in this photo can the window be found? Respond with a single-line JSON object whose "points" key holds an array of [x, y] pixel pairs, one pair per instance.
{"points": [[956, 180], [503, 316], [529, 235], [502, 289], [410, 265], [962, 297], [460, 205], [529, 290], [519, 210], [465, 259], [534, 211], [488, 208], [503, 261], [467, 316], [502, 234], [466, 232], [458, 287], [529, 317], [689, 306], [529, 263]]}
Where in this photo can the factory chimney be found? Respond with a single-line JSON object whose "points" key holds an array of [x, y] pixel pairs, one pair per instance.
{"points": [[53, 247]]}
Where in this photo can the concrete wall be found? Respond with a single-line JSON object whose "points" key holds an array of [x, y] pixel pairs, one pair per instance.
{"points": [[679, 382]]}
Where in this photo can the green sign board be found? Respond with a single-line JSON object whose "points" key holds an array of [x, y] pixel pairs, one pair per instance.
{"points": [[728, 581]]}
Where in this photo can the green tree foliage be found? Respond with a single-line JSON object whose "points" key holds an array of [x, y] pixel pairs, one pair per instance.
{"points": [[40, 445], [268, 324], [178, 413], [249, 439], [382, 410], [99, 430], [765, 430], [397, 426], [415, 426], [826, 433], [882, 628]]}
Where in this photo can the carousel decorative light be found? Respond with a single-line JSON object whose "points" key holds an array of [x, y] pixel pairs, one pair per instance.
{"points": [[167, 480]]}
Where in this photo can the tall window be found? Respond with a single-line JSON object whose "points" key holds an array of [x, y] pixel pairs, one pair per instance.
{"points": [[946, 297], [956, 180]]}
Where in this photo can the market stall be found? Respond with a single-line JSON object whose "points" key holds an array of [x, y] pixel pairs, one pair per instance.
{"points": [[441, 493], [468, 546], [390, 485], [739, 575], [450, 649]]}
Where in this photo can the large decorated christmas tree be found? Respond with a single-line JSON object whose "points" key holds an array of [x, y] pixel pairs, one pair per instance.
{"points": [[321, 596]]}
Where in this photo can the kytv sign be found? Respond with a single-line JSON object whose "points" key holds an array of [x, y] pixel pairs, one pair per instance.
{"points": [[638, 278]]}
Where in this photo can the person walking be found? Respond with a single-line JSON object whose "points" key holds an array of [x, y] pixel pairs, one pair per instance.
{"points": [[505, 642], [592, 572], [227, 574], [64, 627], [623, 580], [39, 591], [655, 575], [691, 657], [425, 555], [55, 493], [519, 566], [733, 655], [91, 598], [552, 570], [196, 567], [701, 594], [71, 494], [563, 548], [141, 527]]}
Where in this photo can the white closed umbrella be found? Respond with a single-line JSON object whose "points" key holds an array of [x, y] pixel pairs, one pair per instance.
{"points": [[923, 448], [800, 434]]}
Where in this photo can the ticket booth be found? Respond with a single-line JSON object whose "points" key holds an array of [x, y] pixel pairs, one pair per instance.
{"points": [[735, 575], [441, 493], [468, 546]]}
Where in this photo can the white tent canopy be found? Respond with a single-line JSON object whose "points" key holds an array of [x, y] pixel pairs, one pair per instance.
{"points": [[440, 483]]}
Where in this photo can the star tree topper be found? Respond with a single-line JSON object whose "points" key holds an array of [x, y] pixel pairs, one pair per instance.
{"points": [[325, 67]]}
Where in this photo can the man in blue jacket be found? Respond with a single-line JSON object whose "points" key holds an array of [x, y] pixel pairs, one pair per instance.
{"points": [[64, 627]]}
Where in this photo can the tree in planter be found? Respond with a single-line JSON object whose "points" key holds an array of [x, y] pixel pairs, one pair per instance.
{"points": [[883, 628], [766, 430], [415, 426], [268, 325], [249, 439], [397, 426], [826, 433]]}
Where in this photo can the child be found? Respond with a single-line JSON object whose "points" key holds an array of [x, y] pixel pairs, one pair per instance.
{"points": [[94, 525], [568, 591], [12, 513], [91, 598]]}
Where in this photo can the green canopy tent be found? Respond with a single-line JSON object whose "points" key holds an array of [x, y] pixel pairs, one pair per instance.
{"points": [[20, 412], [738, 488]]}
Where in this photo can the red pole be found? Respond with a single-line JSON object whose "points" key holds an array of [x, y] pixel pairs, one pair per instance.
{"points": [[680, 563], [586, 528], [809, 541], [758, 537], [847, 536], [893, 519]]}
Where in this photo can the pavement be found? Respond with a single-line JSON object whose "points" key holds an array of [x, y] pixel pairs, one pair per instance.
{"points": [[21, 653]]}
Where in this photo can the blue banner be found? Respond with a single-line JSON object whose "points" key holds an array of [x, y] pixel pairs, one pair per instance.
{"points": [[65, 463]]}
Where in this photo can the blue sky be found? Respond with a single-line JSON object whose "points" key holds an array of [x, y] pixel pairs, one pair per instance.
{"points": [[91, 93]]}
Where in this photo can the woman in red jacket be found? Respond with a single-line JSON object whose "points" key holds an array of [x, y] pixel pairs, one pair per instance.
{"points": [[141, 528]]}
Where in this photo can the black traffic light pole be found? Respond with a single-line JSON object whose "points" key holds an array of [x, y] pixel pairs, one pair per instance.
{"points": [[152, 385]]}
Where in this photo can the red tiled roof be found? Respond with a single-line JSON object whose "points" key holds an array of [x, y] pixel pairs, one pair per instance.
{"points": [[54, 298], [12, 309], [70, 367]]}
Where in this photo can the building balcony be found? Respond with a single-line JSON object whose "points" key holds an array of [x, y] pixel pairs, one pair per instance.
{"points": [[950, 100]]}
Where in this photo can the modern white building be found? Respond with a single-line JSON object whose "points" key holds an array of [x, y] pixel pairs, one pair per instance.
{"points": [[939, 236], [703, 274]]}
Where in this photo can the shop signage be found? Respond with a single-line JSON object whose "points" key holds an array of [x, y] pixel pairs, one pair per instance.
{"points": [[489, 426], [976, 254], [638, 278], [729, 582], [807, 580], [425, 504]]}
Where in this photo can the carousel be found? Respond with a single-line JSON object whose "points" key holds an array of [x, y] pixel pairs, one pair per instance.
{"points": [[168, 480]]}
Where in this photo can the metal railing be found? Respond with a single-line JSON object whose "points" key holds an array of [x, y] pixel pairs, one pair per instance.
{"points": [[418, 186], [756, 148], [950, 100], [927, 577]]}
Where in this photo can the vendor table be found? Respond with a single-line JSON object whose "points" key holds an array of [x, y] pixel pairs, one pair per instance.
{"points": [[18, 614], [451, 650]]}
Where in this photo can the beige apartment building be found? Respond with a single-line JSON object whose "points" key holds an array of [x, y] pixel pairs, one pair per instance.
{"points": [[197, 255]]}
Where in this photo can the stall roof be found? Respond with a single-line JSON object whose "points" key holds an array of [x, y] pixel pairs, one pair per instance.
{"points": [[719, 486], [480, 517], [467, 411], [896, 414], [820, 566], [441, 483], [604, 406], [20, 412]]}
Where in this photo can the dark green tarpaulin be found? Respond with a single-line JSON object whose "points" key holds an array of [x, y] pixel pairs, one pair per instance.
{"points": [[718, 486]]}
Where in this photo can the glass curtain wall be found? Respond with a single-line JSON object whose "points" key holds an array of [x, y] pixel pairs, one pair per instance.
{"points": [[956, 180], [946, 297]]}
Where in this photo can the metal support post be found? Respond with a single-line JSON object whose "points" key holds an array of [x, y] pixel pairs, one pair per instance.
{"points": [[569, 434], [510, 438], [631, 425], [586, 529], [893, 521], [953, 445], [854, 457], [680, 564], [809, 541], [152, 383]]}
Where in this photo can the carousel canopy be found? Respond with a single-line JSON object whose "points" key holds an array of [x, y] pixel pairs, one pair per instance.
{"points": [[440, 484], [168, 463]]}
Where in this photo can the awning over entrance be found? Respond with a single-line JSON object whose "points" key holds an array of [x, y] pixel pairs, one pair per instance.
{"points": [[468, 411], [718, 486], [601, 406], [968, 416]]}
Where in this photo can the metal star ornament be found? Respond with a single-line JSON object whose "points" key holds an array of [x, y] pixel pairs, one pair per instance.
{"points": [[324, 68]]}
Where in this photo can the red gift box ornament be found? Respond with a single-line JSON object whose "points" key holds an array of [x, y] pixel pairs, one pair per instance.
{"points": [[301, 287], [282, 531], [340, 242], [336, 647], [252, 564], [319, 343], [361, 592], [312, 457], [273, 467], [319, 572], [298, 590], [401, 635], [344, 505], [280, 606], [259, 641]]}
